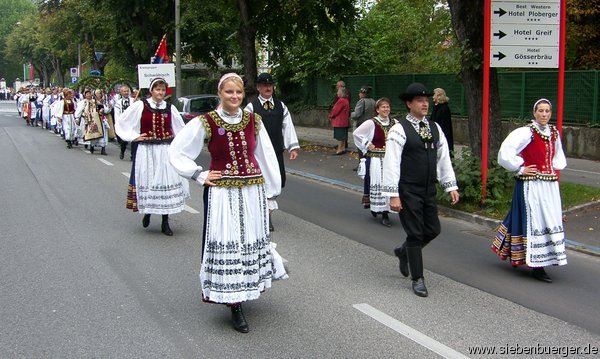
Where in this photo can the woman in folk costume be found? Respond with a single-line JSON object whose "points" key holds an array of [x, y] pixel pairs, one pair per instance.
{"points": [[242, 178], [154, 185], [64, 111], [370, 139], [532, 233], [104, 107]]}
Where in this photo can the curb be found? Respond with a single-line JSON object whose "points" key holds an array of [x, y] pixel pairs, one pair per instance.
{"points": [[491, 223]]}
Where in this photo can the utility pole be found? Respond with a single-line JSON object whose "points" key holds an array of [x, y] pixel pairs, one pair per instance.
{"points": [[178, 83]]}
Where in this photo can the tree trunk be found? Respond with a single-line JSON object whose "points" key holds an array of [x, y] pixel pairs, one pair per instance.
{"points": [[468, 22], [247, 40]]}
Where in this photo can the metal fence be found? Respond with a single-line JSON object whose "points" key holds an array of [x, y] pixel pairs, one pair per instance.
{"points": [[518, 92]]}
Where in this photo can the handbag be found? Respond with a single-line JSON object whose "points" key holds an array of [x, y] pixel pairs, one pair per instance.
{"points": [[361, 171]]}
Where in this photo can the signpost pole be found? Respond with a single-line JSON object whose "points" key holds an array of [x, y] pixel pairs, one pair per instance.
{"points": [[561, 66], [486, 97]]}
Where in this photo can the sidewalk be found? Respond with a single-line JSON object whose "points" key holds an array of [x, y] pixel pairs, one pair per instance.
{"points": [[582, 224]]}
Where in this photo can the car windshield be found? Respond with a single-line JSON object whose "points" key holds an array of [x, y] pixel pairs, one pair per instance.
{"points": [[203, 105]]}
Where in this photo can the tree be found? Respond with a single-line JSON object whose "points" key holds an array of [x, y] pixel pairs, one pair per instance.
{"points": [[583, 34], [13, 11], [467, 20]]}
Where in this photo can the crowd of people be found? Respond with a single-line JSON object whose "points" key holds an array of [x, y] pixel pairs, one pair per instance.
{"points": [[402, 160]]}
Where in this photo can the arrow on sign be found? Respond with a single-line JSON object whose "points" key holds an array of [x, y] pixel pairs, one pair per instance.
{"points": [[500, 56], [500, 34], [500, 12]]}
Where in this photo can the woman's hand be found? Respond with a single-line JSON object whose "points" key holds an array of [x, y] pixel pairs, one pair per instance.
{"points": [[370, 146], [530, 170], [142, 137], [212, 176]]}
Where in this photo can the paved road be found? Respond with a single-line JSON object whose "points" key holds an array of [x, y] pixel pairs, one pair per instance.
{"points": [[82, 278]]}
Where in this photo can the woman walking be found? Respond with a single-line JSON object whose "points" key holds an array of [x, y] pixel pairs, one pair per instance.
{"points": [[241, 180], [532, 233], [154, 186]]}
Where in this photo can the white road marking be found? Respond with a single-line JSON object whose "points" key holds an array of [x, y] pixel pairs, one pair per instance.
{"points": [[409, 332], [190, 209], [126, 174], [105, 161]]}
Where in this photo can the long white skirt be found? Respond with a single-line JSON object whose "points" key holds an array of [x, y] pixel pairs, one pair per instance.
{"points": [[379, 202], [159, 189], [69, 127], [236, 262], [545, 232]]}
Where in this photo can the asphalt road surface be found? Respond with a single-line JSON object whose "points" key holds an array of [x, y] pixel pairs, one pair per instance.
{"points": [[81, 278]]}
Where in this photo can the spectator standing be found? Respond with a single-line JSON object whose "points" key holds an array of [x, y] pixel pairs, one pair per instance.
{"points": [[442, 116]]}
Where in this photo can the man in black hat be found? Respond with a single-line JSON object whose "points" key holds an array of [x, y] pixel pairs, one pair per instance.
{"points": [[277, 121], [416, 157]]}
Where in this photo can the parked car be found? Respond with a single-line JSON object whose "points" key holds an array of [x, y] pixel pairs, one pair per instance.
{"points": [[194, 105]]}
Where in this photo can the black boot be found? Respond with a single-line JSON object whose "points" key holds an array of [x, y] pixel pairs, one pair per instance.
{"points": [[385, 219], [402, 255], [165, 225], [146, 220], [91, 149], [540, 274], [415, 262], [271, 228], [69, 144], [239, 322], [123, 148], [103, 151]]}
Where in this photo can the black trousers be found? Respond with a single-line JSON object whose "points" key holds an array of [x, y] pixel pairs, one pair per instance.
{"points": [[419, 215], [281, 167]]}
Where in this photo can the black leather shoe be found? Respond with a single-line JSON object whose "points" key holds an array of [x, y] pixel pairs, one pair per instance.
{"points": [[385, 220], [541, 275], [419, 288], [374, 214], [103, 151], [239, 322], [146, 220], [91, 149], [121, 155], [164, 227], [403, 259]]}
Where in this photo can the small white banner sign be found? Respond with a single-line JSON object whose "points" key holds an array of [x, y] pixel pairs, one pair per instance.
{"points": [[147, 72]]}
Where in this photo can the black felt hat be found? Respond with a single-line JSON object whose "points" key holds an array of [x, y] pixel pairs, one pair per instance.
{"points": [[265, 78], [413, 90]]}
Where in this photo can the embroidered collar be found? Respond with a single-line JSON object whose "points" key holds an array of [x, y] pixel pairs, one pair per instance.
{"points": [[546, 134], [263, 100]]}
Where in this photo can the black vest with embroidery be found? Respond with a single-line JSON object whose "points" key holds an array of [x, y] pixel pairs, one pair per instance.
{"points": [[419, 157], [272, 120]]}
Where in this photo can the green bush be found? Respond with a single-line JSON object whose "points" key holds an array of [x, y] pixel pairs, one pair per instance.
{"points": [[499, 188]]}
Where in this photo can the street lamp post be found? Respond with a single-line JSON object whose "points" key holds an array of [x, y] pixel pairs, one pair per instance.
{"points": [[178, 83]]}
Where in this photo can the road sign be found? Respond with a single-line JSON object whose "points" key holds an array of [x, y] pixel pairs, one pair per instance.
{"points": [[73, 79], [525, 34], [74, 72], [529, 12], [524, 56]]}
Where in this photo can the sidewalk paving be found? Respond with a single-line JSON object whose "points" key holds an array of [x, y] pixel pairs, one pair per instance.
{"points": [[582, 223]]}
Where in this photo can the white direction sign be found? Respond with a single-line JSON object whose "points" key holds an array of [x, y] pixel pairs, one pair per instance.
{"points": [[525, 12], [525, 33], [522, 56]]}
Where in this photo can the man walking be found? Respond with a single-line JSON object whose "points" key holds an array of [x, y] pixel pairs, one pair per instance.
{"points": [[416, 157], [278, 122]]}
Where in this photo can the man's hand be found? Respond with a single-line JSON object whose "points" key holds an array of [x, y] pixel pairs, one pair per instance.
{"points": [[395, 204], [293, 154], [454, 197]]}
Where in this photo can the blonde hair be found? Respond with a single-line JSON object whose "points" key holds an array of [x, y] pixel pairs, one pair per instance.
{"points": [[233, 77], [439, 95]]}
